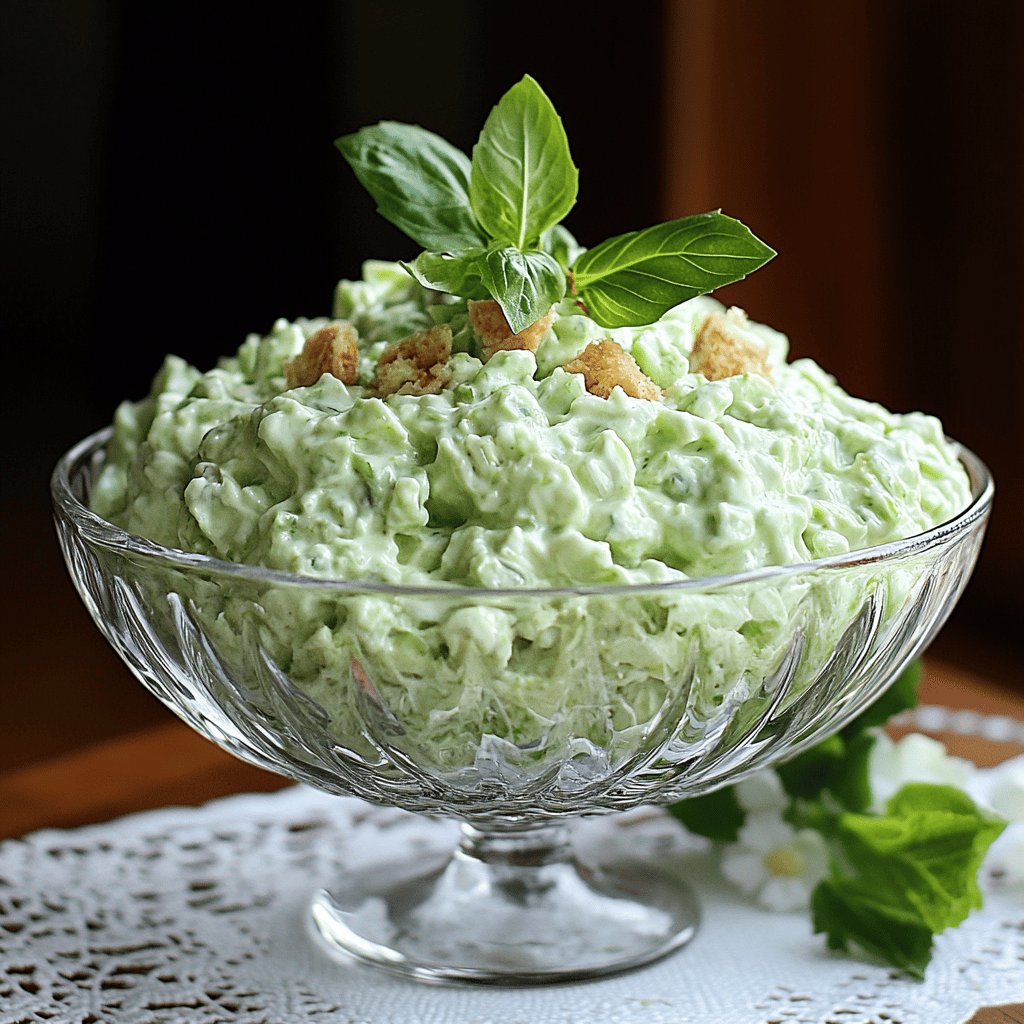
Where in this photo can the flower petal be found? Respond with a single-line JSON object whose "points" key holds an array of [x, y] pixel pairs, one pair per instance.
{"points": [[915, 758], [744, 869], [764, 831], [814, 851], [1005, 859], [762, 792], [785, 894], [1006, 789]]}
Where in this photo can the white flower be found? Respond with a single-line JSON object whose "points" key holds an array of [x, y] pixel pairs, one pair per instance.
{"points": [[762, 792], [1005, 859], [915, 758], [775, 861], [1005, 789], [1001, 789]]}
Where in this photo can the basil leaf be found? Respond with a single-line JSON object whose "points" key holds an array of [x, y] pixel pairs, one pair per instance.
{"points": [[927, 847], [455, 273], [848, 913], [851, 785], [907, 874], [559, 241], [525, 284], [523, 179], [807, 774], [419, 181], [633, 279], [717, 815]]}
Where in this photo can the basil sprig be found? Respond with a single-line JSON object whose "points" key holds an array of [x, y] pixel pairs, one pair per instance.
{"points": [[525, 284], [898, 877], [905, 875], [491, 226]]}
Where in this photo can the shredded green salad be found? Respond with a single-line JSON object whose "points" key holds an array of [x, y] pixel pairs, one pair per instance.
{"points": [[515, 476]]}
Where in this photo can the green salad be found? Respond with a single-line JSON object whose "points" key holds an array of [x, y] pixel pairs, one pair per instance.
{"points": [[511, 411], [514, 475]]}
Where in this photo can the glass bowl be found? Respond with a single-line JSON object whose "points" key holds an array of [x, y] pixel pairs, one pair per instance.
{"points": [[514, 711]]}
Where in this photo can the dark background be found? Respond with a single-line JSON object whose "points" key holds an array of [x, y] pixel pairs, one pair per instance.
{"points": [[170, 184]]}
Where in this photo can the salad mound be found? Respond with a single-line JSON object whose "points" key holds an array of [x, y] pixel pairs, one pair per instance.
{"points": [[529, 469], [506, 411], [514, 474]]}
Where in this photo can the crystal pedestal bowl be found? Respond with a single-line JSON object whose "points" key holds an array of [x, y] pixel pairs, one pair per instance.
{"points": [[515, 711]]}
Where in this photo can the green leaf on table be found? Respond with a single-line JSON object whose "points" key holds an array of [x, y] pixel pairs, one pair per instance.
{"points": [[838, 766], [717, 815], [525, 284], [850, 782], [807, 774], [927, 847], [901, 696], [457, 273], [910, 870], [523, 179], [634, 279], [419, 181], [851, 913]]}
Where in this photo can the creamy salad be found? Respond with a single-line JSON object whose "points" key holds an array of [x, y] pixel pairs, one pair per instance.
{"points": [[510, 472], [415, 439]]}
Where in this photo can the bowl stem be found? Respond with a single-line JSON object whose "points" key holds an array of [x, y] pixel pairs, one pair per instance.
{"points": [[511, 905]]}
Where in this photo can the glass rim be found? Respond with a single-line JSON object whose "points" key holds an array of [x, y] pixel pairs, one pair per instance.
{"points": [[100, 531]]}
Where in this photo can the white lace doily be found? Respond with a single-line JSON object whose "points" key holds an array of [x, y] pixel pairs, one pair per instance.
{"points": [[189, 916]]}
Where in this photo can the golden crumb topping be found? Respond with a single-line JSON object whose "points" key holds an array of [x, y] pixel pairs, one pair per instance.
{"points": [[605, 365], [331, 350], [417, 365], [490, 324], [724, 347]]}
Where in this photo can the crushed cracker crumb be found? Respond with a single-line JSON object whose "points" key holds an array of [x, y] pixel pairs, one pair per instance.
{"points": [[417, 365], [723, 348], [331, 350], [487, 319], [605, 365]]}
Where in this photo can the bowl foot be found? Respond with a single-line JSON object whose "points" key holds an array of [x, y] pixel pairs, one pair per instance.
{"points": [[509, 906]]}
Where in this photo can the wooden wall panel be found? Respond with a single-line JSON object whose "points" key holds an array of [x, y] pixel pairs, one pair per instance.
{"points": [[878, 147]]}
